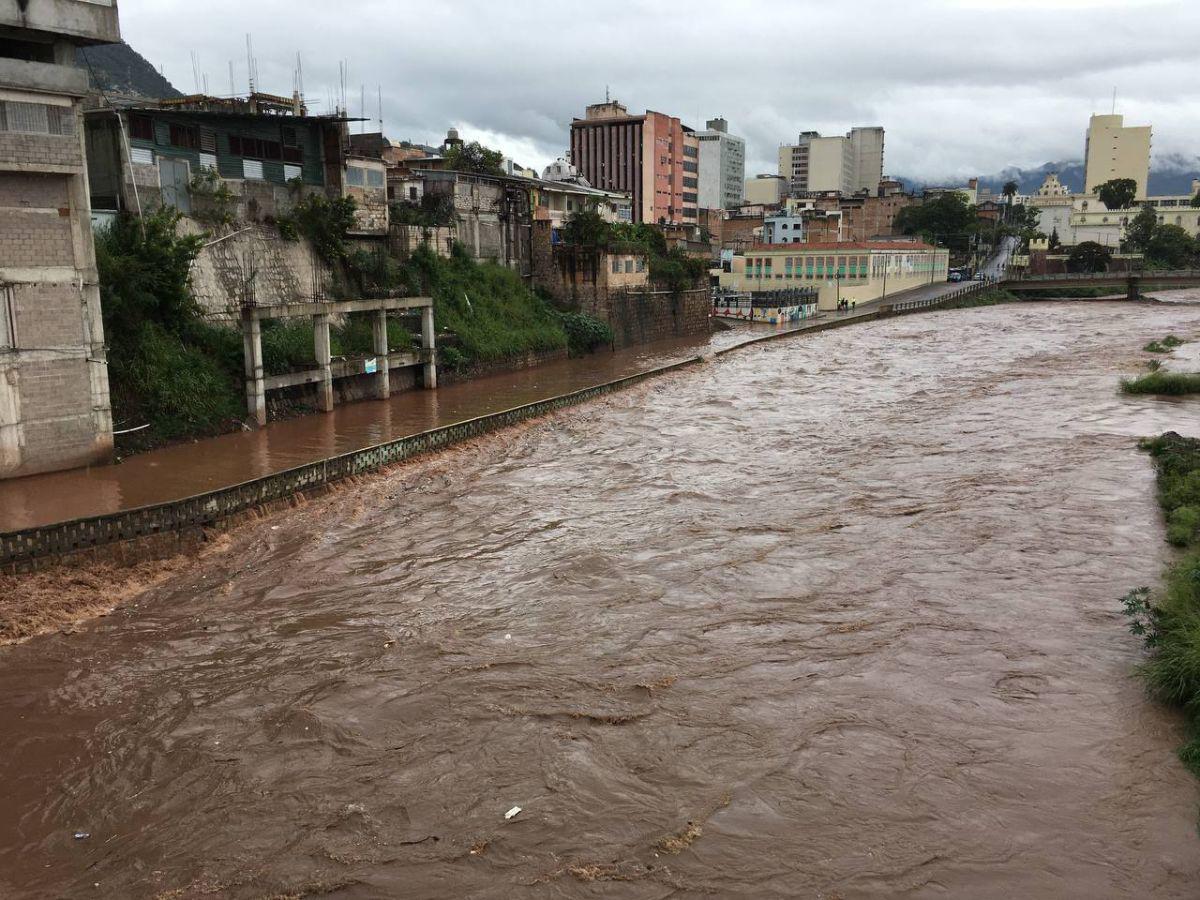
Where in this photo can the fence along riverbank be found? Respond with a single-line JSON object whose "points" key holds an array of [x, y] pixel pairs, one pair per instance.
{"points": [[129, 534]]}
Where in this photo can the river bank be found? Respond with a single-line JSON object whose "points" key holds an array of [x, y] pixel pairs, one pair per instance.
{"points": [[857, 637]]}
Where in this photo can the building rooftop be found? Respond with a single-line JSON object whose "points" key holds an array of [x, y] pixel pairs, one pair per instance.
{"points": [[845, 245]]}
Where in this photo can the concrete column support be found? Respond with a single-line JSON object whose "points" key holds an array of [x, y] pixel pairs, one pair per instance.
{"points": [[256, 392], [322, 353], [427, 344], [383, 384]]}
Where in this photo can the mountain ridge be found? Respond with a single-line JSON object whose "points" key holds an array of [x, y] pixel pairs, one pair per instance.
{"points": [[1170, 175]]}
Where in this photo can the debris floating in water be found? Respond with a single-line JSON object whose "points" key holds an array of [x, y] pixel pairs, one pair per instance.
{"points": [[82, 835], [512, 812]]}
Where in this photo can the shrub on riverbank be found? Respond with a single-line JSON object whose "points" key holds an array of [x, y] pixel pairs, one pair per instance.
{"points": [[1170, 624], [992, 297], [1159, 381], [1166, 345]]}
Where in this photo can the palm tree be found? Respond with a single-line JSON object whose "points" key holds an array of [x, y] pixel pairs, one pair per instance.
{"points": [[1010, 191]]}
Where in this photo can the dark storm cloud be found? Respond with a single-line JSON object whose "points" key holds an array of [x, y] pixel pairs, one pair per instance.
{"points": [[962, 87]]}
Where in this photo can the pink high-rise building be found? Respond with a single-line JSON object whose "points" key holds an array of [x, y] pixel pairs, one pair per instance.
{"points": [[654, 157]]}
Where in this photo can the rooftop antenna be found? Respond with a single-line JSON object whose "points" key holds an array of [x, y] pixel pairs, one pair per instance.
{"points": [[606, 97], [250, 66], [381, 110], [300, 75], [232, 83], [195, 72], [1114, 108], [362, 108]]}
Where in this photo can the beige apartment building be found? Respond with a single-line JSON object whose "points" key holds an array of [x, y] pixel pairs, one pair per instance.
{"points": [[54, 403], [1114, 150], [848, 163]]}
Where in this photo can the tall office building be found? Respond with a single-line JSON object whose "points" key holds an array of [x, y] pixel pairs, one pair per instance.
{"points": [[654, 157], [1113, 151], [722, 166], [54, 404], [847, 163]]}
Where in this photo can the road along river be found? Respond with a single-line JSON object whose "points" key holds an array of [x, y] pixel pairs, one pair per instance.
{"points": [[832, 616]]}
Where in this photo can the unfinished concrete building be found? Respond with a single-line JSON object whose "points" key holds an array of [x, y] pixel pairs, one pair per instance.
{"points": [[54, 404]]}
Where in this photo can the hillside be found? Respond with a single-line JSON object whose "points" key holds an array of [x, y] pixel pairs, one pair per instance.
{"points": [[119, 69], [1169, 175]]}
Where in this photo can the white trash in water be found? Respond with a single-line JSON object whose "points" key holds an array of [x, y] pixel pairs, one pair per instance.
{"points": [[512, 812]]}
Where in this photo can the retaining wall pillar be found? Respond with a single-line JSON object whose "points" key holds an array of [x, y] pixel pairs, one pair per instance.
{"points": [[383, 383], [256, 392], [427, 344], [321, 350]]}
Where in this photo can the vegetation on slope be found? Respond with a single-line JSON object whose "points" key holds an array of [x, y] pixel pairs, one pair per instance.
{"points": [[1170, 623]]}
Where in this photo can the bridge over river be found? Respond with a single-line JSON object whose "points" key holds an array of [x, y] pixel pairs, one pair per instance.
{"points": [[1132, 284], [830, 617]]}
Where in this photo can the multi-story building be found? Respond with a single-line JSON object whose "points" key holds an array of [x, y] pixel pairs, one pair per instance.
{"points": [[1113, 151], [54, 403], [769, 190], [722, 166], [856, 271], [846, 164], [653, 157], [784, 227]]}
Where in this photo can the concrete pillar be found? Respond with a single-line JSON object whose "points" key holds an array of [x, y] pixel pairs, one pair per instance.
{"points": [[427, 344], [256, 393], [1132, 292], [321, 350], [383, 384]]}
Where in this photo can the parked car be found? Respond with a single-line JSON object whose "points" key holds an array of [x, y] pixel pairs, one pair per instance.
{"points": [[955, 276], [979, 276]]}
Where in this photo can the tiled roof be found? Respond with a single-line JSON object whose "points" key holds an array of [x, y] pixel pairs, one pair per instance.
{"points": [[836, 246]]}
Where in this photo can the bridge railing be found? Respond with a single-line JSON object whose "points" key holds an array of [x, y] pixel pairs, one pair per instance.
{"points": [[1140, 274], [974, 287]]}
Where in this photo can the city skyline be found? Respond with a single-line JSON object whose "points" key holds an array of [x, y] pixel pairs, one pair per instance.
{"points": [[962, 88]]}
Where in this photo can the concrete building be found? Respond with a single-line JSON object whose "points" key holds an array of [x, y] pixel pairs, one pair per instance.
{"points": [[858, 271], [653, 157], [784, 227], [722, 166], [54, 402], [769, 190], [1113, 150], [846, 164]]}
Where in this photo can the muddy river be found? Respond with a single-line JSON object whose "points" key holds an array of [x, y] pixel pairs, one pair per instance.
{"points": [[834, 616]]}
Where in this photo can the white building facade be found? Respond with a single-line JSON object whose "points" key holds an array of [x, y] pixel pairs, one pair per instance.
{"points": [[722, 174]]}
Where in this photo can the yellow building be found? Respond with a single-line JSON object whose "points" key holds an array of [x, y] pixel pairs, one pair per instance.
{"points": [[858, 271], [1116, 151]]}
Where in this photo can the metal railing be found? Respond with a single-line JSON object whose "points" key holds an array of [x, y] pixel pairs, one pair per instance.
{"points": [[975, 287], [1143, 274]]}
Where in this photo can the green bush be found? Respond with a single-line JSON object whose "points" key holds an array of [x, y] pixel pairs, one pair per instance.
{"points": [[1172, 384], [585, 334], [1183, 525], [356, 336]]}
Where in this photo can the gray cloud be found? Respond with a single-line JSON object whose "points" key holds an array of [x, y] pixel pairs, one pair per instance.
{"points": [[962, 86]]}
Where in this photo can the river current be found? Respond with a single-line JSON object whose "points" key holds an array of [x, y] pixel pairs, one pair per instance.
{"points": [[832, 616]]}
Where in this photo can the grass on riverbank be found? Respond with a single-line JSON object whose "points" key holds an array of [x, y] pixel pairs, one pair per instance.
{"points": [[992, 297], [1166, 345], [1159, 381], [1170, 623]]}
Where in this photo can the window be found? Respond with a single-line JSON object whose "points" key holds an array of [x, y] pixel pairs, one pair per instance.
{"points": [[616, 266], [141, 128], [184, 136], [36, 118], [628, 266], [374, 178], [255, 148], [292, 172], [641, 264], [208, 162], [208, 141], [412, 193], [691, 182], [355, 176], [690, 167], [252, 169]]}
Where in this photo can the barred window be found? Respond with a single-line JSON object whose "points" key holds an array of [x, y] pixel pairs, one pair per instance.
{"points": [[36, 118]]}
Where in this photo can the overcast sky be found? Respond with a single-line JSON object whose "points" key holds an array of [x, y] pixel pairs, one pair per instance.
{"points": [[962, 86]]}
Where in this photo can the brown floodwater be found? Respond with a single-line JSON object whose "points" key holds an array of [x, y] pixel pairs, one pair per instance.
{"points": [[834, 616]]}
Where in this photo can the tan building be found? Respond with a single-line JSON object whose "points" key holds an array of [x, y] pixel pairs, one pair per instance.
{"points": [[857, 271], [769, 190], [1116, 151], [847, 163], [54, 402]]}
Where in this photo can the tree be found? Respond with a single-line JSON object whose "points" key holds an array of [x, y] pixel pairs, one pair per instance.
{"points": [[1170, 247], [1196, 199], [474, 158], [587, 228], [1055, 240], [1010, 191], [1140, 230], [1089, 257], [1118, 193], [948, 219]]}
